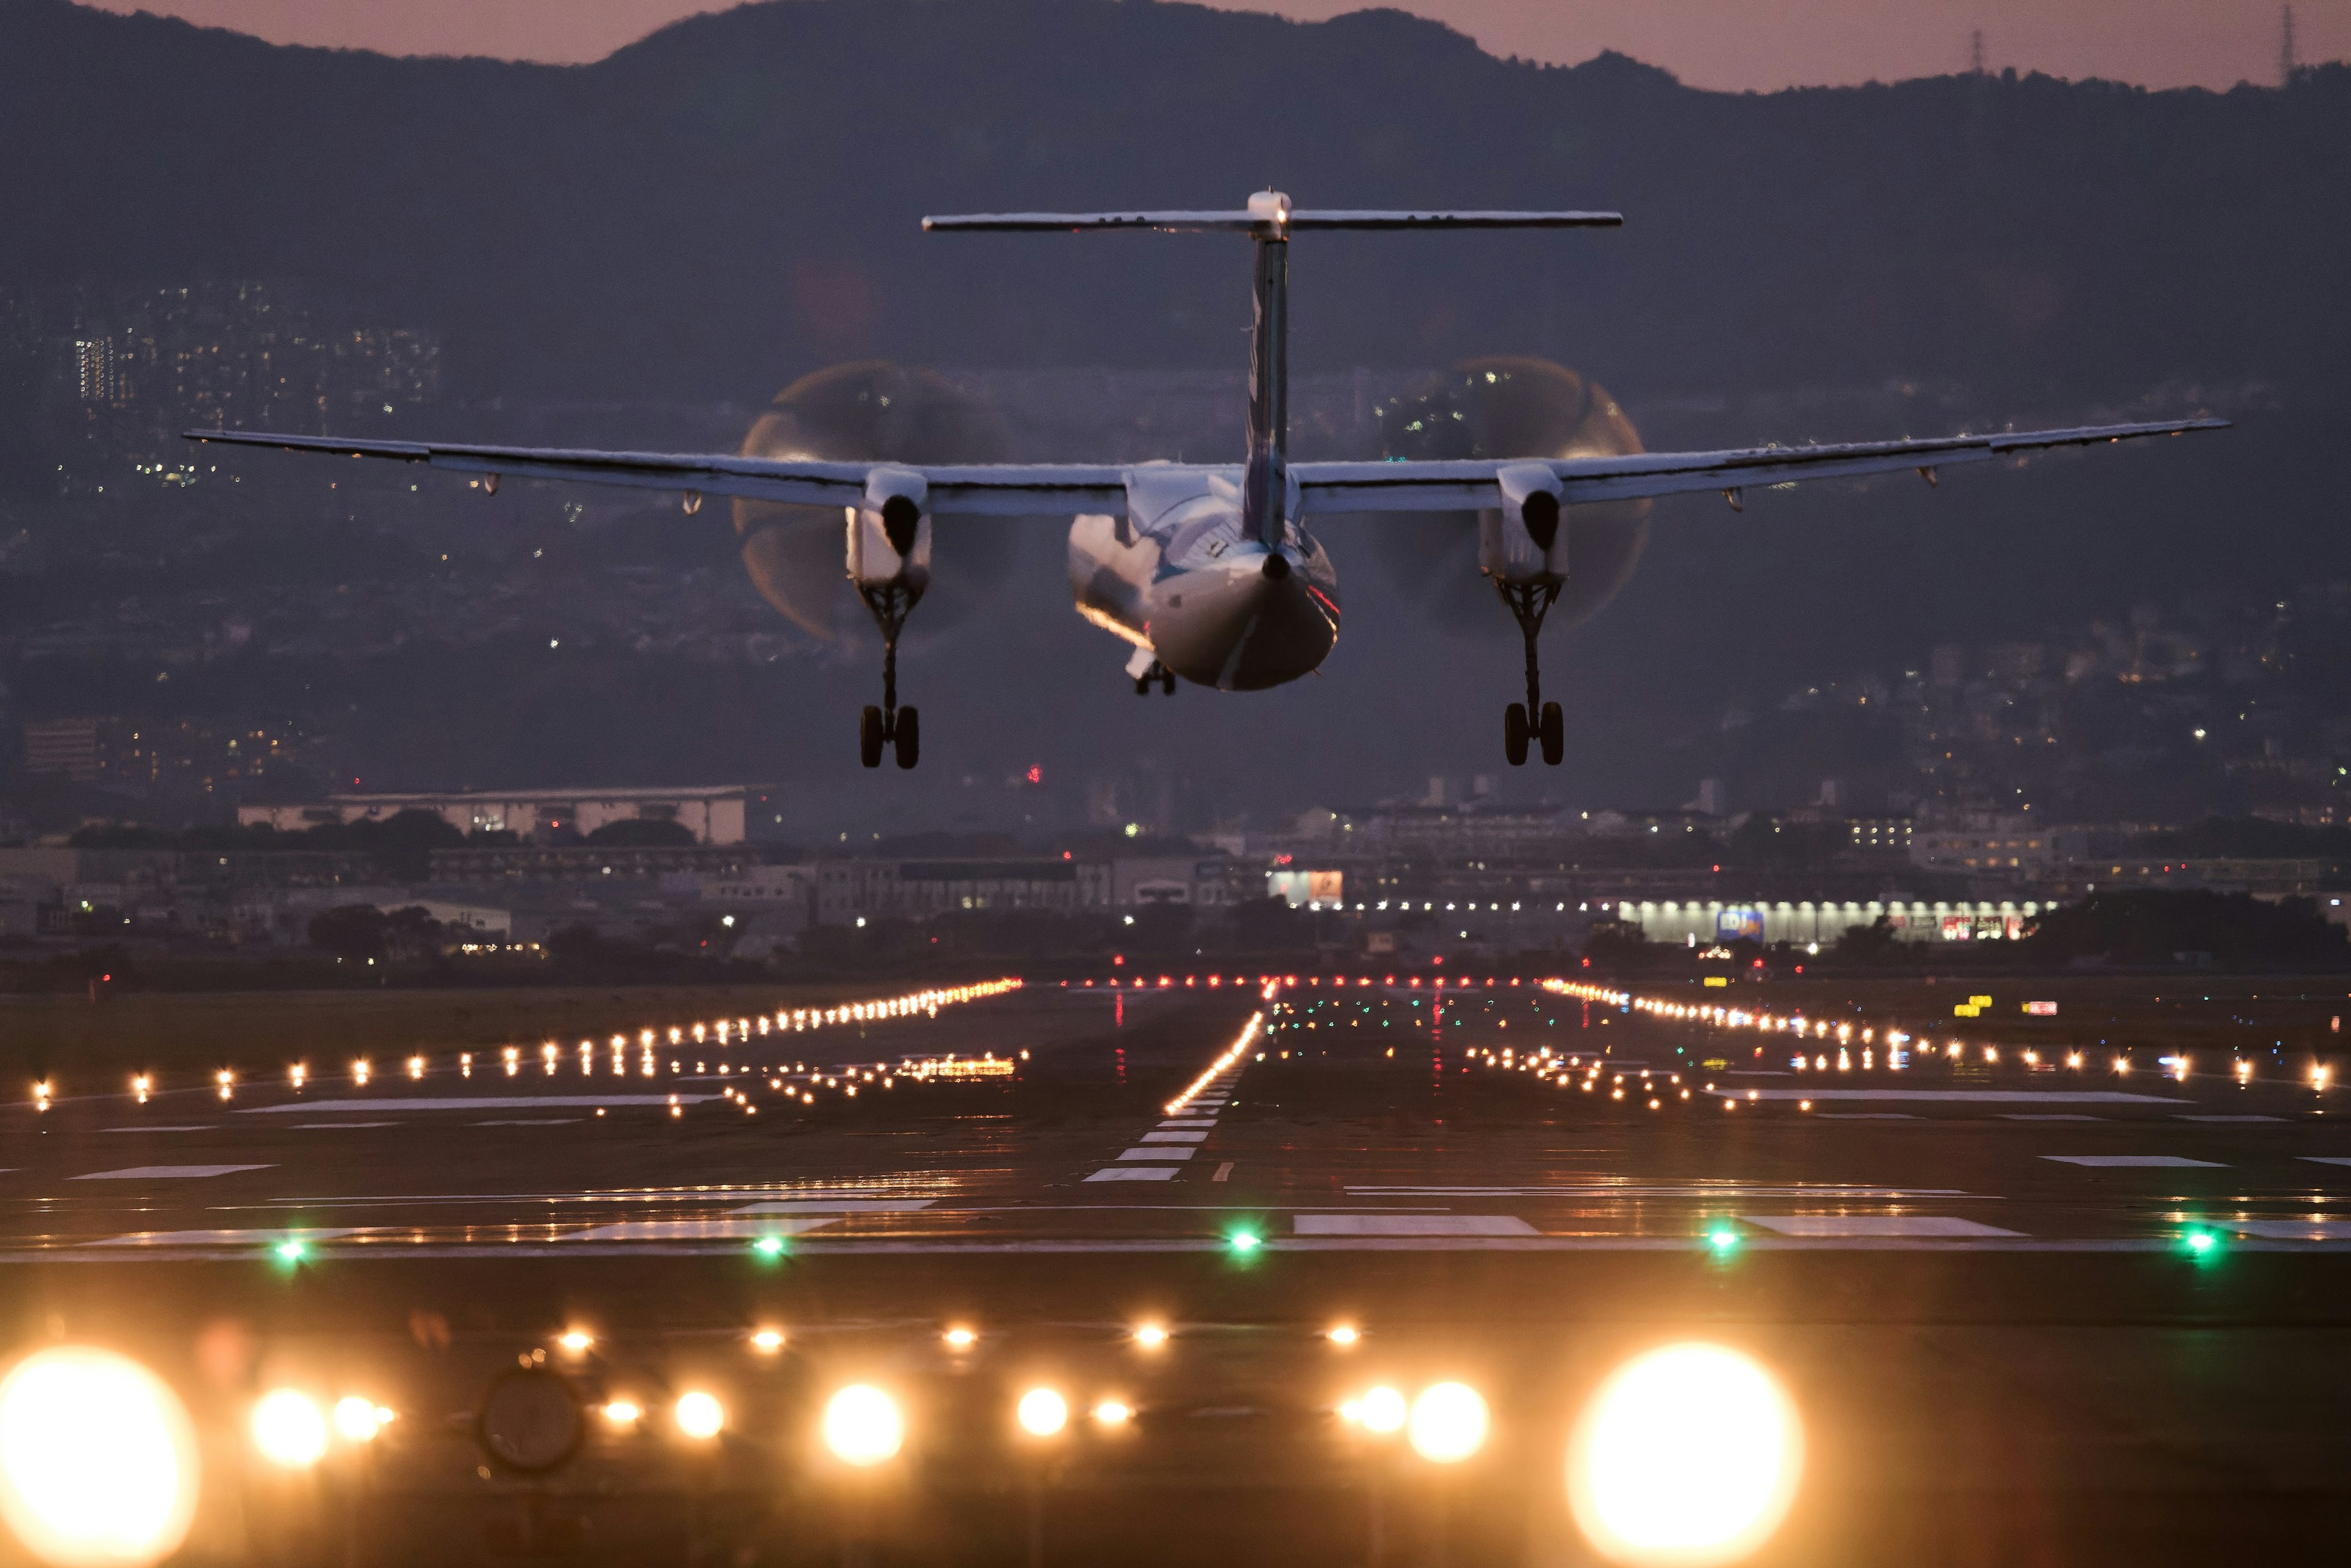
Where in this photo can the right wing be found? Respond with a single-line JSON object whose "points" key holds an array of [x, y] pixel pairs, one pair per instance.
{"points": [[1469, 484], [990, 489]]}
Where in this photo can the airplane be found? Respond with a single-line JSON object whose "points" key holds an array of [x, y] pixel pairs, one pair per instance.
{"points": [[1210, 569]]}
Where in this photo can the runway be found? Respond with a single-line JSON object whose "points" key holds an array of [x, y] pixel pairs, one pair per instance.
{"points": [[2031, 1310]]}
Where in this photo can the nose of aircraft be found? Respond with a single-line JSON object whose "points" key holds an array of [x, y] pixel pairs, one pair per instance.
{"points": [[1247, 623]]}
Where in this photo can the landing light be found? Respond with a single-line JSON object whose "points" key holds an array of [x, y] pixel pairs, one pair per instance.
{"points": [[1688, 1456], [1151, 1336], [960, 1338], [1111, 1413], [98, 1460], [575, 1341], [766, 1342], [288, 1429], [1448, 1422], [699, 1415], [356, 1419], [862, 1427], [1043, 1412], [1383, 1410], [1343, 1334]]}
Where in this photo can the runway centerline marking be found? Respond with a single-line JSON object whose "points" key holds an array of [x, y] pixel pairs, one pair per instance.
{"points": [[1158, 1154], [188, 1127], [2050, 1116], [1174, 1137], [840, 1206], [730, 1228], [1135, 1172], [336, 1126], [2183, 1116], [2136, 1162], [166, 1172]]}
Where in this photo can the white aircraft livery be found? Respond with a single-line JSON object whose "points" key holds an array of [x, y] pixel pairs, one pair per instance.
{"points": [[1211, 571]]}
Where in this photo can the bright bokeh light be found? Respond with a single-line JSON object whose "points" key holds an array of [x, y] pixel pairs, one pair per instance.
{"points": [[622, 1412], [576, 1340], [766, 1342], [1448, 1422], [862, 1427], [288, 1428], [1111, 1413], [1383, 1410], [1344, 1333], [1151, 1336], [699, 1415], [356, 1420], [961, 1338], [1043, 1412], [98, 1460], [1688, 1456]]}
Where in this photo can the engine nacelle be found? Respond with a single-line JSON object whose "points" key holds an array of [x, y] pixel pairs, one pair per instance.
{"points": [[890, 531], [1523, 540]]}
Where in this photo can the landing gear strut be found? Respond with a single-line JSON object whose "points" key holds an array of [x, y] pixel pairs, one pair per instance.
{"points": [[1537, 720], [897, 728], [1159, 672]]}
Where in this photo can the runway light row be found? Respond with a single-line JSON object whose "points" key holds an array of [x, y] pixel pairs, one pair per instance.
{"points": [[725, 1031], [1690, 1453], [1232, 1054]]}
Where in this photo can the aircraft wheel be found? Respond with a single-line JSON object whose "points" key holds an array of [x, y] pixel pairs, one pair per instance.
{"points": [[1167, 682], [868, 738], [1514, 734], [909, 737], [1554, 734]]}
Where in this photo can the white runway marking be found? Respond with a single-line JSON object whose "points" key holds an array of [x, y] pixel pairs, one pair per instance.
{"points": [[166, 1172], [219, 1237], [2050, 1116], [515, 1122], [1204, 1121], [2164, 1162], [472, 1102], [2294, 1230], [188, 1127], [1224, 1171], [2327, 1159], [1174, 1137], [336, 1126], [838, 1207], [1872, 1225], [1964, 1096], [1135, 1172], [1157, 1154], [1410, 1225], [2183, 1117], [725, 1229]]}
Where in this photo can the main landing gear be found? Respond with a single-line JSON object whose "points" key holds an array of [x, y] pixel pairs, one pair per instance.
{"points": [[1535, 719], [890, 727], [1159, 672]]}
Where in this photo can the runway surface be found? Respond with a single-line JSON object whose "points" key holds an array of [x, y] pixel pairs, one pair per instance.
{"points": [[2033, 1309]]}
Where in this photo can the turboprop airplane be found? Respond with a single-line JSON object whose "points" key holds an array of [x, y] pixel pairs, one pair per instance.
{"points": [[1210, 569]]}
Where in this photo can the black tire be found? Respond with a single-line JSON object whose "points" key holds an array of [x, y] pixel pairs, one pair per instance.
{"points": [[1514, 734], [869, 737], [1167, 682], [909, 737], [1554, 734]]}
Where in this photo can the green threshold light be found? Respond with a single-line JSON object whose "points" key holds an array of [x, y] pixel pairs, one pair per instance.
{"points": [[769, 1247], [291, 1251], [1722, 1239], [1244, 1242]]}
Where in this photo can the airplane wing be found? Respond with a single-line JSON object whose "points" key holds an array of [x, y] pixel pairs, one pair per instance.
{"points": [[1468, 486], [986, 490]]}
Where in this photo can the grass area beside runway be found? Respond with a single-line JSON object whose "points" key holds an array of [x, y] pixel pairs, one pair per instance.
{"points": [[90, 1046]]}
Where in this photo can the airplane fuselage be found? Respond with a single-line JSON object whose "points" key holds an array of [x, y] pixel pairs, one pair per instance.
{"points": [[1180, 576]]}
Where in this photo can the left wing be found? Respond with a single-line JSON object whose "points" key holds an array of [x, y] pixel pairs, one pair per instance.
{"points": [[994, 489], [1470, 486]]}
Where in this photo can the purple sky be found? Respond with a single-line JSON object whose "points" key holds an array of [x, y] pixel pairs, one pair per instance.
{"points": [[1723, 44]]}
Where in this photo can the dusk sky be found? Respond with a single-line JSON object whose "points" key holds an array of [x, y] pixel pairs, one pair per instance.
{"points": [[1729, 45]]}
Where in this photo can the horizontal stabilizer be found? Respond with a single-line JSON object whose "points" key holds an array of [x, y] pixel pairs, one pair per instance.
{"points": [[1185, 222]]}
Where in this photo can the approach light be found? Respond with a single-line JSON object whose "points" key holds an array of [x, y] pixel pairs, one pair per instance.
{"points": [[99, 1465], [1151, 1336], [575, 1341], [1448, 1422], [1343, 1334], [1383, 1410], [1111, 1413], [766, 1342], [1688, 1456], [288, 1428], [862, 1427], [358, 1420], [622, 1412], [698, 1414], [1042, 1412], [960, 1338]]}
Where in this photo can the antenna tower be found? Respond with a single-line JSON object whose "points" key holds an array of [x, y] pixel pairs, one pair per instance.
{"points": [[2285, 49], [1975, 48]]}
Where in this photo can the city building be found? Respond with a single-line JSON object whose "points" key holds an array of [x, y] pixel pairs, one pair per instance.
{"points": [[713, 815]]}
